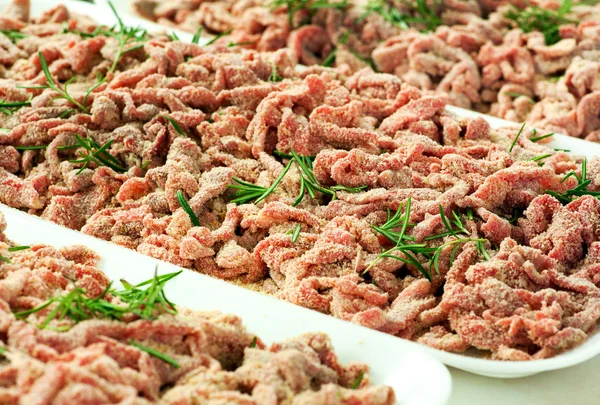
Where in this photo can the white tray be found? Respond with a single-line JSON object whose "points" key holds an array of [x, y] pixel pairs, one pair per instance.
{"points": [[417, 377], [376, 350]]}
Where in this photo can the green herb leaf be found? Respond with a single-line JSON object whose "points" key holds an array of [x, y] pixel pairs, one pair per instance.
{"points": [[63, 94], [97, 154], [217, 37], [253, 343], [197, 35], [293, 6], [580, 190], [539, 138], [274, 77], [33, 147], [514, 142], [544, 20], [18, 248], [358, 380], [125, 36], [296, 233], [175, 125], [155, 353], [186, 207]]}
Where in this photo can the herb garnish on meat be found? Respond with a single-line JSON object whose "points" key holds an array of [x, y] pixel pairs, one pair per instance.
{"points": [[197, 35], [175, 125], [63, 93], [274, 76], [580, 190], [76, 305], [535, 138], [9, 107], [150, 302], [246, 192], [293, 6], [154, 353], [13, 35], [186, 207], [97, 154], [423, 14], [514, 142], [18, 248], [454, 228], [295, 232], [544, 20], [125, 36], [358, 380], [407, 250]]}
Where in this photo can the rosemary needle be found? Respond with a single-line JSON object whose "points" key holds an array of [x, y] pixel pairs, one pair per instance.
{"points": [[296, 233], [18, 248], [155, 353], [175, 125], [514, 142], [358, 380], [539, 138], [186, 207]]}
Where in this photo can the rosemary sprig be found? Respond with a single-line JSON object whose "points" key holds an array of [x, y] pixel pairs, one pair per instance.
{"points": [[407, 250], [68, 112], [247, 192], [393, 222], [97, 154], [358, 380], [186, 207], [456, 242], [387, 12], [150, 302], [173, 36], [426, 16], [454, 228], [125, 36], [580, 190], [78, 307], [253, 343], [175, 125], [155, 353], [514, 142], [293, 6], [422, 14], [5, 259], [544, 20], [99, 82], [63, 93]]}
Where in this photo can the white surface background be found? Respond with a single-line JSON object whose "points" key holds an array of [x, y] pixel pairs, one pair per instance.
{"points": [[577, 385]]}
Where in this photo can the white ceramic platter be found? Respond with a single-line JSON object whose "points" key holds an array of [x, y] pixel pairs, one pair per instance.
{"points": [[417, 378]]}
